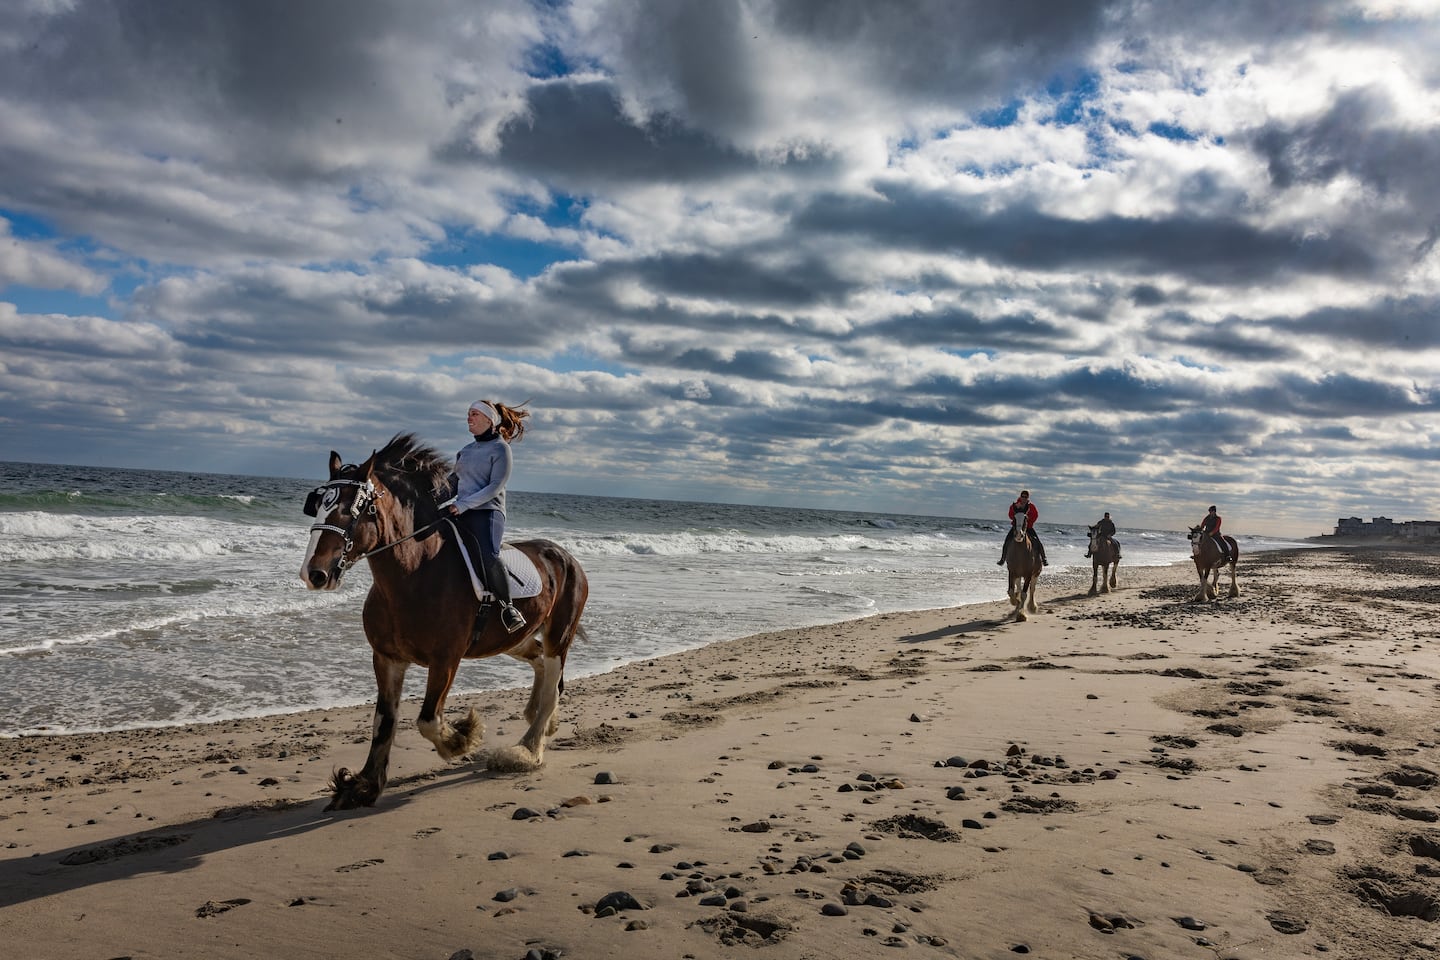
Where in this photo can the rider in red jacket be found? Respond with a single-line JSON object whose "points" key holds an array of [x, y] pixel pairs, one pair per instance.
{"points": [[1025, 506], [1211, 525]]}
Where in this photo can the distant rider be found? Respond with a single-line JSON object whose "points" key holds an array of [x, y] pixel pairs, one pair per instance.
{"points": [[1105, 530], [1211, 526], [1025, 506]]}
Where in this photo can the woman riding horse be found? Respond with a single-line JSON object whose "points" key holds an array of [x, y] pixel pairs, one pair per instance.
{"points": [[482, 468], [421, 606]]}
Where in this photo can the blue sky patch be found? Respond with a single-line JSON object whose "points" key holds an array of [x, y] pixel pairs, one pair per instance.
{"points": [[26, 227], [1172, 131], [546, 61], [524, 258], [563, 210], [38, 301], [1072, 95], [1000, 117]]}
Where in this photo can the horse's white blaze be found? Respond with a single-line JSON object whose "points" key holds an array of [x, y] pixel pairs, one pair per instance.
{"points": [[309, 555]]}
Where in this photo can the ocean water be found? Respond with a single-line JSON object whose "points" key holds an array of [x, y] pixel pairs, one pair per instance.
{"points": [[133, 598]]}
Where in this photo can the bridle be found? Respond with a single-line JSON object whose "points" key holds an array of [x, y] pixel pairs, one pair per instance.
{"points": [[326, 497]]}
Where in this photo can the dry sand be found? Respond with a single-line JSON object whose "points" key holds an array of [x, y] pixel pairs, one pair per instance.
{"points": [[1128, 775]]}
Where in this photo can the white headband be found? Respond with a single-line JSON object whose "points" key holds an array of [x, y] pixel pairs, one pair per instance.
{"points": [[488, 410]]}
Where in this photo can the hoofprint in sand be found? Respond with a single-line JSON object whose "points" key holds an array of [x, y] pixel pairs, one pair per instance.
{"points": [[1124, 775]]}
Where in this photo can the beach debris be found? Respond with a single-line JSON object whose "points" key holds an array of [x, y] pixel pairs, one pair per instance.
{"points": [[122, 848], [910, 826], [1026, 804], [751, 929], [615, 902], [213, 908]]}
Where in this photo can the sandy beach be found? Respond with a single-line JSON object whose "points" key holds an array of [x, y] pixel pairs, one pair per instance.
{"points": [[1126, 775]]}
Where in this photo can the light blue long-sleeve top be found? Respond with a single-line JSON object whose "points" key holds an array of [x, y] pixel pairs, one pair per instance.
{"points": [[482, 469]]}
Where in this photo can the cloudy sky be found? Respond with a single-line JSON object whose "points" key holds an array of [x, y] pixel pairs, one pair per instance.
{"points": [[904, 256]]}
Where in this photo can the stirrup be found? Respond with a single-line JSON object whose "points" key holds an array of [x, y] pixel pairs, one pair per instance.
{"points": [[511, 618]]}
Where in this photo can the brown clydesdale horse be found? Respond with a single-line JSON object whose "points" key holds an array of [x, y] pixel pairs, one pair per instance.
{"points": [[1104, 562], [1022, 561], [421, 606], [1209, 561]]}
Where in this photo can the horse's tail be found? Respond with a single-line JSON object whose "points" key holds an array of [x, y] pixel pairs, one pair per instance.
{"points": [[571, 593], [580, 634]]}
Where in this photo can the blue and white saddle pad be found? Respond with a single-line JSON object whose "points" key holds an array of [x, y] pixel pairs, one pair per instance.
{"points": [[524, 577]]}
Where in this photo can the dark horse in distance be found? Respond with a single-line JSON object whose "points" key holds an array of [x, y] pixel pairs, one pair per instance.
{"points": [[421, 608]]}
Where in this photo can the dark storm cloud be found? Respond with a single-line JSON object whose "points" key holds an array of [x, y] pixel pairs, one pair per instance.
{"points": [[276, 81], [760, 365], [1397, 323], [347, 316], [949, 48], [731, 276], [962, 330], [577, 135], [1217, 251], [1233, 338], [1085, 388], [1195, 432], [1147, 295], [1336, 395], [1357, 137]]}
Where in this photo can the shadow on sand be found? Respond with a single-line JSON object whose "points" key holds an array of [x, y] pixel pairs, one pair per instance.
{"points": [[183, 846]]}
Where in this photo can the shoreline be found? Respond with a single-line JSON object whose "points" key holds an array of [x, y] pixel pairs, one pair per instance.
{"points": [[196, 726], [1140, 774]]}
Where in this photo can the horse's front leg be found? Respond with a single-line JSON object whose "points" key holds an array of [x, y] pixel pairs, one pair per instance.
{"points": [[349, 790], [451, 742]]}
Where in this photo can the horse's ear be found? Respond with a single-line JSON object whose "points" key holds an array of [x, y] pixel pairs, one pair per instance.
{"points": [[335, 464], [368, 467]]}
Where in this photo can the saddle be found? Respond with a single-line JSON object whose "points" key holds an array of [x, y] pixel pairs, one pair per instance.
{"points": [[524, 576]]}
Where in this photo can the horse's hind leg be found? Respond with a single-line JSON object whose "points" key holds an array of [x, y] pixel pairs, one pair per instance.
{"points": [[1234, 585], [1030, 593], [1114, 573], [349, 790], [540, 712], [451, 741]]}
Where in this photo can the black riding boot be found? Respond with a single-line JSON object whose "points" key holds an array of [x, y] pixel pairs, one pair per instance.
{"points": [[497, 579], [1004, 549]]}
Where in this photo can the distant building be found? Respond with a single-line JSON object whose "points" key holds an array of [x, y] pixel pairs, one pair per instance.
{"points": [[1420, 528], [1385, 527]]}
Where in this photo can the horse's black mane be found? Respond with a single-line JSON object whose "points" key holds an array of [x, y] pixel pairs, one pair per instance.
{"points": [[415, 472]]}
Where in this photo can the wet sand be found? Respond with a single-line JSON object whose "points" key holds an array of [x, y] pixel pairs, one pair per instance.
{"points": [[1126, 775]]}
